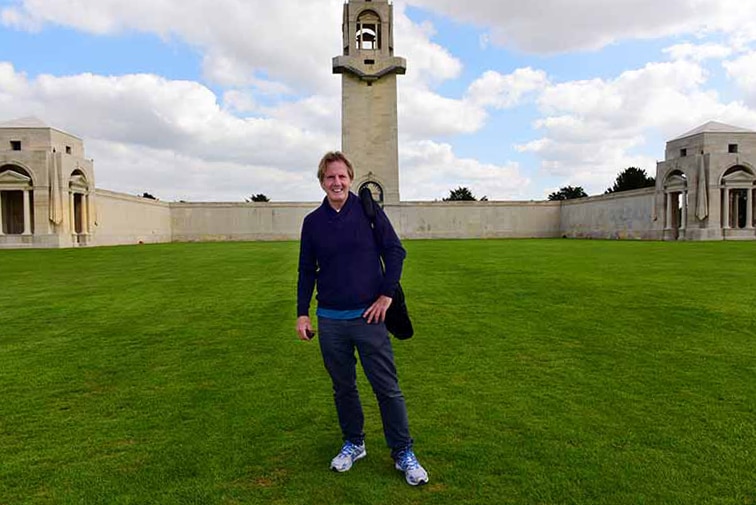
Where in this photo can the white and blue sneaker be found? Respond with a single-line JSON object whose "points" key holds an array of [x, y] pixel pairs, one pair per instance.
{"points": [[347, 456], [414, 472]]}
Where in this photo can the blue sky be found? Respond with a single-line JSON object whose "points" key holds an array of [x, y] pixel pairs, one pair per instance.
{"points": [[218, 100]]}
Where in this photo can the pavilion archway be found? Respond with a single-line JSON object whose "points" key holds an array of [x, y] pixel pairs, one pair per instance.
{"points": [[79, 205], [737, 190], [16, 201], [676, 204]]}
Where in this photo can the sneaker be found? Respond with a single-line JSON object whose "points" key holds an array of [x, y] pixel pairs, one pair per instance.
{"points": [[347, 456], [414, 472]]}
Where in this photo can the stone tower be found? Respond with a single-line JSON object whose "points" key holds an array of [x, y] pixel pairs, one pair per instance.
{"points": [[368, 105]]}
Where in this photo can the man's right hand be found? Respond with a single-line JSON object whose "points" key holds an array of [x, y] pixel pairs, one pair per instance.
{"points": [[303, 326]]}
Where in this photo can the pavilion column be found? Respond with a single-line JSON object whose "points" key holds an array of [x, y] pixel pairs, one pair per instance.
{"points": [[85, 214], [1, 214], [72, 212], [726, 209], [684, 212], [749, 209], [668, 224], [27, 214], [736, 211]]}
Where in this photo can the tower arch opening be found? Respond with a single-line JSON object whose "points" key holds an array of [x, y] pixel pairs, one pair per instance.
{"points": [[368, 34], [375, 189]]}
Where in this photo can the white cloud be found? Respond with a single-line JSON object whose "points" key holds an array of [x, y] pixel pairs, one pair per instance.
{"points": [[698, 52], [240, 102], [423, 114], [504, 91], [594, 129], [173, 176], [13, 84], [291, 42], [656, 95], [553, 26], [430, 169], [179, 120], [319, 113], [156, 112], [428, 63], [741, 72]]}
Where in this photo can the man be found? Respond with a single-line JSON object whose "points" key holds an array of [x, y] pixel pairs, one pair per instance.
{"points": [[340, 252]]}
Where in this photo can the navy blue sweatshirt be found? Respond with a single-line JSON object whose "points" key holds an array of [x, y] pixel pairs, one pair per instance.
{"points": [[339, 251]]}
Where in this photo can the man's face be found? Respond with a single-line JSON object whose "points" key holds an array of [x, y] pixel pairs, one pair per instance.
{"points": [[336, 183]]}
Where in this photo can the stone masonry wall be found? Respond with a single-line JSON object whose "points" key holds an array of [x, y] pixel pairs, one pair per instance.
{"points": [[624, 215], [125, 219]]}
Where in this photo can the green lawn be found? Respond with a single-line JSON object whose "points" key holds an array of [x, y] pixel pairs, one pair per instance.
{"points": [[542, 371]]}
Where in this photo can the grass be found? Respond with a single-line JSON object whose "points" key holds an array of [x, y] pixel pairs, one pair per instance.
{"points": [[542, 371]]}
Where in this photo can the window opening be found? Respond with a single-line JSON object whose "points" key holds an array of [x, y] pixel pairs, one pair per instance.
{"points": [[732, 148], [68, 149], [683, 153], [15, 145]]}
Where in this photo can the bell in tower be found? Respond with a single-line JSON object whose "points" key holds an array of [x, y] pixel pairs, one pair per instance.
{"points": [[368, 68]]}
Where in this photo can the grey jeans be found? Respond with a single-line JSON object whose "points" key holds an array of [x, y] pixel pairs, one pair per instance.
{"points": [[338, 340]]}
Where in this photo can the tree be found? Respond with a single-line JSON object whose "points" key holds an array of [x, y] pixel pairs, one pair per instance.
{"points": [[461, 194], [631, 178], [257, 198], [568, 193]]}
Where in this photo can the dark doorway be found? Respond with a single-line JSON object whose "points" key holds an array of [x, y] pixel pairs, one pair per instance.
{"points": [[13, 212], [78, 221]]}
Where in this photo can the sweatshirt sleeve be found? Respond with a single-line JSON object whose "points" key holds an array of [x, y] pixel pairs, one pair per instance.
{"points": [[391, 251], [307, 272]]}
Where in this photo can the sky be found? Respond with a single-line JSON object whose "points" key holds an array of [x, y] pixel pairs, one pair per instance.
{"points": [[218, 100]]}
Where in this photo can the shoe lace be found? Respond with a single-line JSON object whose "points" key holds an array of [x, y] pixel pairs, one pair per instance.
{"points": [[349, 449], [408, 461]]}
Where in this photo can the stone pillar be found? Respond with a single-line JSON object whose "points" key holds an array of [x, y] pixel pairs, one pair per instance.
{"points": [[85, 214], [1, 214], [736, 210], [726, 209], [749, 209], [72, 212], [27, 214], [684, 211], [668, 223]]}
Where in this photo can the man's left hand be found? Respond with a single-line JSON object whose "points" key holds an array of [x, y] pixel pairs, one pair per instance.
{"points": [[377, 311]]}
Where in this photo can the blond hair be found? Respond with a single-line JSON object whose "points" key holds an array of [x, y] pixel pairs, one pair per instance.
{"points": [[330, 157]]}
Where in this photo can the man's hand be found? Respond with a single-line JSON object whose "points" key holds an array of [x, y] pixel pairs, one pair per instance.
{"points": [[304, 326], [377, 311]]}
